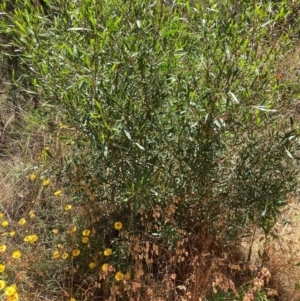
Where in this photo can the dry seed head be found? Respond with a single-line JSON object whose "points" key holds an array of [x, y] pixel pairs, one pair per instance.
{"points": [[248, 297]]}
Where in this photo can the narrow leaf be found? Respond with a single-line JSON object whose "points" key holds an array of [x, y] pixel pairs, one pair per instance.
{"points": [[234, 98], [289, 154], [127, 134], [264, 108], [79, 29], [139, 146]]}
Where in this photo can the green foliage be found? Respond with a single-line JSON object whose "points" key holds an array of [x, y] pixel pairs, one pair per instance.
{"points": [[167, 101], [160, 106], [228, 296]]}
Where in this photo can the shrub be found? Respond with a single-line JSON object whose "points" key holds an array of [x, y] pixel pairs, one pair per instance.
{"points": [[164, 118]]}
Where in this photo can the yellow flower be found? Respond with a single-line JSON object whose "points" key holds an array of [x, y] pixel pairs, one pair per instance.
{"points": [[75, 252], [64, 256], [2, 248], [55, 231], [5, 223], [72, 299], [127, 276], [72, 230], [22, 221], [92, 265], [68, 207], [107, 252], [14, 297], [85, 240], [10, 290], [57, 192], [2, 268], [86, 232], [31, 214], [104, 267], [55, 255], [32, 177], [46, 148], [1, 214], [118, 225], [46, 182], [31, 238], [2, 284], [16, 254], [119, 276], [12, 233], [60, 246]]}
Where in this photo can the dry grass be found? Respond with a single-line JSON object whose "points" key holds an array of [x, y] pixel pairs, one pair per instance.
{"points": [[284, 253], [280, 254]]}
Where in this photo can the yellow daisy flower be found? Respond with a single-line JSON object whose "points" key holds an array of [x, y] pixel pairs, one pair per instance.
{"points": [[12, 233], [127, 276], [55, 255], [32, 177], [2, 248], [118, 225], [92, 265], [31, 238], [75, 252], [64, 256], [72, 230], [22, 221], [85, 240], [57, 192], [32, 214], [14, 297], [5, 223], [55, 231], [119, 276], [107, 252], [2, 268], [1, 214], [2, 284], [16, 254], [68, 207], [72, 299], [10, 290], [104, 267], [86, 232], [46, 182]]}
